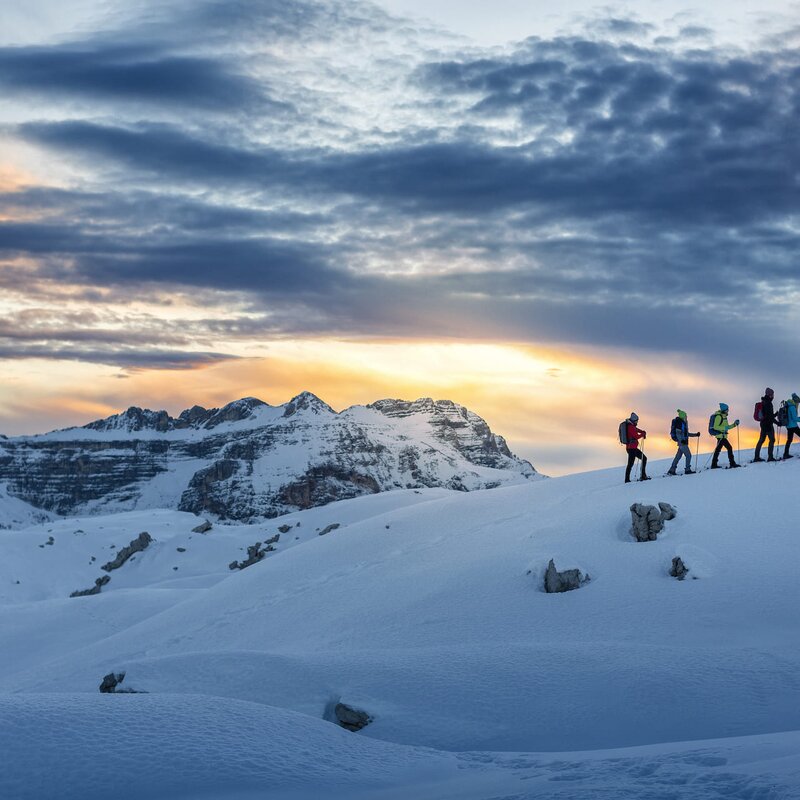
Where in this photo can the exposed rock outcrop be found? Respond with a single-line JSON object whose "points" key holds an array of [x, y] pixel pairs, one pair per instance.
{"points": [[255, 552], [328, 528], [141, 542], [203, 527], [351, 718], [98, 585], [566, 581], [111, 684], [648, 521]]}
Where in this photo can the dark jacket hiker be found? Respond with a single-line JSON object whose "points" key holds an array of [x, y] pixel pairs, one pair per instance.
{"points": [[679, 433], [765, 414]]}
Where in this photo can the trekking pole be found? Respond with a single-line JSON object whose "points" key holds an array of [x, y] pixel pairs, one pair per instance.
{"points": [[641, 460], [738, 445]]}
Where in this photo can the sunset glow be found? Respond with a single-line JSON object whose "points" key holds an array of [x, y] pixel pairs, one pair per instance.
{"points": [[517, 226]]}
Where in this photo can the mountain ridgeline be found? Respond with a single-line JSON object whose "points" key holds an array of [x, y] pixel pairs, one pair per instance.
{"points": [[250, 460]]}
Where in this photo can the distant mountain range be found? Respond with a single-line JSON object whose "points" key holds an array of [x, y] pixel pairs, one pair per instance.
{"points": [[250, 460]]}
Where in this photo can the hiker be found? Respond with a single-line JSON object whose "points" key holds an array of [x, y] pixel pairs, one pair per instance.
{"points": [[720, 430], [679, 432], [764, 414], [632, 436], [792, 428]]}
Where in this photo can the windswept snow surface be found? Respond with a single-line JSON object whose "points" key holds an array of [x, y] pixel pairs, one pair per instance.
{"points": [[425, 608]]}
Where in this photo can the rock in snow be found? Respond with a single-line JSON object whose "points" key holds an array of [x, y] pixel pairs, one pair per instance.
{"points": [[328, 528], [566, 581], [204, 527], [141, 542], [678, 569], [255, 552], [98, 585], [351, 718], [251, 461], [648, 521]]}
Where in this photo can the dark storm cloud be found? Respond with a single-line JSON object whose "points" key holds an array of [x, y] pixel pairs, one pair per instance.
{"points": [[126, 357], [124, 74], [591, 190], [266, 265]]}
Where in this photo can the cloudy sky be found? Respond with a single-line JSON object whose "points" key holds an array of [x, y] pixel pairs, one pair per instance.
{"points": [[553, 218]]}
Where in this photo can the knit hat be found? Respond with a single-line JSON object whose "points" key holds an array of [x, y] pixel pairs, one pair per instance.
{"points": [[634, 418], [682, 414], [769, 392], [795, 398], [723, 406]]}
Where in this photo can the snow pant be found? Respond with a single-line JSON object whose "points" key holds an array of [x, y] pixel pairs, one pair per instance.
{"points": [[790, 434], [683, 451], [767, 432], [632, 456], [727, 445]]}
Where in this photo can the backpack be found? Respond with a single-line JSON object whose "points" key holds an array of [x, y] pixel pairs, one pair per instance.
{"points": [[782, 417], [712, 424], [673, 431], [623, 432], [758, 412]]}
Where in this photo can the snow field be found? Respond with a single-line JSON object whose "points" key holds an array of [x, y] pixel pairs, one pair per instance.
{"points": [[438, 627]]}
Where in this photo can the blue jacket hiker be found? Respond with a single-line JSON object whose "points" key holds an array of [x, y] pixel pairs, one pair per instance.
{"points": [[679, 433], [792, 428], [721, 426]]}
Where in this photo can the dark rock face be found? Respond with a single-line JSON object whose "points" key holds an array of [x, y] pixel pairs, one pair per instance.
{"points": [[678, 569], [98, 585], [351, 718], [648, 521], [566, 581], [141, 542], [240, 462]]}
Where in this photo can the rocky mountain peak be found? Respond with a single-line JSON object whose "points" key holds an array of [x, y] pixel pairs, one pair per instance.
{"points": [[132, 420], [307, 401]]}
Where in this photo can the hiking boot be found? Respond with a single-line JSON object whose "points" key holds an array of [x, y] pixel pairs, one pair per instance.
{"points": [[645, 478], [688, 471], [671, 472], [714, 466], [787, 455], [734, 465], [757, 459], [772, 459], [627, 480]]}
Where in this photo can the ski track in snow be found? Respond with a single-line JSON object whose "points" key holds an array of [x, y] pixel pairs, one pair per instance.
{"points": [[481, 686]]}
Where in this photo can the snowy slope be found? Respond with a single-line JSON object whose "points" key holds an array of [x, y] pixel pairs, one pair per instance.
{"points": [[250, 461], [438, 627]]}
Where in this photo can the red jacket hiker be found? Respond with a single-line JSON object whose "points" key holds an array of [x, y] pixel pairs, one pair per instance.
{"points": [[634, 434]]}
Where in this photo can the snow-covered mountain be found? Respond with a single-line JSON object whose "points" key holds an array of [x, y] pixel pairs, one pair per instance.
{"points": [[425, 609], [249, 460]]}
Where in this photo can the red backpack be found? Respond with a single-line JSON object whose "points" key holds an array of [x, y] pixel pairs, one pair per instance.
{"points": [[758, 412]]}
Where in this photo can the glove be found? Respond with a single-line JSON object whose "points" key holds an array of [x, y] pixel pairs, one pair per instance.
{"points": [[735, 424], [644, 434]]}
